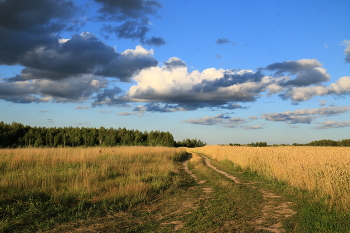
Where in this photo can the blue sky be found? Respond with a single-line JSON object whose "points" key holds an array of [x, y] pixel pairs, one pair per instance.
{"points": [[219, 71]]}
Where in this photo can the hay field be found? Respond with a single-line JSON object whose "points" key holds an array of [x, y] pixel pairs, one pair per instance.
{"points": [[322, 170], [91, 173], [43, 186]]}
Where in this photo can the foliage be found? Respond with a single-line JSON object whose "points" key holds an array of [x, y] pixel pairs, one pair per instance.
{"points": [[324, 142], [17, 135], [327, 142], [257, 144], [190, 143]]}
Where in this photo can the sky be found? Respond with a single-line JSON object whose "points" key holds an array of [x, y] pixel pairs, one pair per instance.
{"points": [[223, 71]]}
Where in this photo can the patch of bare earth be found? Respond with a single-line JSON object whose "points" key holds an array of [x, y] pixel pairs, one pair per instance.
{"points": [[206, 190], [274, 210]]}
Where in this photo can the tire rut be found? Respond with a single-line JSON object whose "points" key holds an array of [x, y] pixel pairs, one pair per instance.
{"points": [[273, 211]]}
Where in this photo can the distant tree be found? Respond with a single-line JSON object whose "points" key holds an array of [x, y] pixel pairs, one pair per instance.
{"points": [[258, 144], [190, 143], [18, 135], [345, 142], [234, 144], [324, 142]]}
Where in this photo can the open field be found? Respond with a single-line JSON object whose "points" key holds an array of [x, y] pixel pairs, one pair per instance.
{"points": [[325, 171], [43, 186], [155, 189]]}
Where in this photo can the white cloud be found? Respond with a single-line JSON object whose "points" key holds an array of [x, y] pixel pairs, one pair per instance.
{"points": [[220, 119], [126, 113], [340, 87], [322, 102], [192, 89], [73, 89], [82, 107], [101, 111], [252, 127], [62, 41], [332, 124], [207, 120], [305, 116], [347, 50]]}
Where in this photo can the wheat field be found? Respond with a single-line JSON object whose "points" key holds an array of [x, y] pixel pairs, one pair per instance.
{"points": [[92, 174], [322, 170]]}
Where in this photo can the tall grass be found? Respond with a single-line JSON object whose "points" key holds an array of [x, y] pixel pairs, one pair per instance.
{"points": [[322, 170], [64, 181]]}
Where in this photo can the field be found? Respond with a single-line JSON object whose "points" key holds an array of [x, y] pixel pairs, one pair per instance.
{"points": [[325, 171], [41, 187], [159, 189]]}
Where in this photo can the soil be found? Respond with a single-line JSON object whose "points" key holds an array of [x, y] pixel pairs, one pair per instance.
{"points": [[273, 211]]}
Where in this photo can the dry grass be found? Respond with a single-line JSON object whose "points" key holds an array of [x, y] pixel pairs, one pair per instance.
{"points": [[92, 174], [325, 170]]}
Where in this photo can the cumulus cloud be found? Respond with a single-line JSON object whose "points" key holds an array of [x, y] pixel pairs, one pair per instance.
{"points": [[156, 107], [307, 71], [72, 89], [172, 87], [347, 50], [18, 92], [232, 106], [107, 95], [305, 116], [83, 54], [59, 69], [130, 29], [174, 84], [82, 67], [120, 9], [332, 124], [229, 78], [33, 41], [173, 63], [156, 41], [27, 26], [297, 94], [133, 17]]}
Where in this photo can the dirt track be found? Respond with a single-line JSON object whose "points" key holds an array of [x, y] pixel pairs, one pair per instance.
{"points": [[274, 210]]}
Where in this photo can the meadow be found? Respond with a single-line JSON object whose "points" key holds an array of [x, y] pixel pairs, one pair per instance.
{"points": [[40, 187], [322, 171]]}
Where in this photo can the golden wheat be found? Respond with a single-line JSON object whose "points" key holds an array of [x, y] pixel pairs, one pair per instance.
{"points": [[90, 173], [324, 170]]}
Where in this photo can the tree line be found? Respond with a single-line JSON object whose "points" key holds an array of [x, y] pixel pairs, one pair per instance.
{"points": [[253, 144], [18, 135], [326, 142]]}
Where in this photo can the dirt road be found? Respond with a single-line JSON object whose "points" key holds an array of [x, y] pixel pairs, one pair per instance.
{"points": [[274, 209]]}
